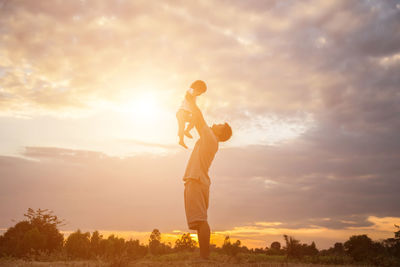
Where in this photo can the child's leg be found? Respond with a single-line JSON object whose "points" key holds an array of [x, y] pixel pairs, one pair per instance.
{"points": [[181, 116], [181, 124], [189, 128]]}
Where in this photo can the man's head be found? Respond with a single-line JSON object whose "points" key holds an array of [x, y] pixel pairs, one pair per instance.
{"points": [[198, 87], [222, 131]]}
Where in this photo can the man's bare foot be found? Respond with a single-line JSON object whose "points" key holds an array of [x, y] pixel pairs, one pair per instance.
{"points": [[188, 134], [183, 144]]}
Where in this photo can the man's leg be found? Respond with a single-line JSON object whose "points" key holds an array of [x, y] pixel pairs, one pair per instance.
{"points": [[203, 234]]}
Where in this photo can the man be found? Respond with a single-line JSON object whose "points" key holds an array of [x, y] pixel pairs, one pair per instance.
{"points": [[197, 181]]}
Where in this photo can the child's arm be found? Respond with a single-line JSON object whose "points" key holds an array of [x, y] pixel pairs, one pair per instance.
{"points": [[197, 116]]}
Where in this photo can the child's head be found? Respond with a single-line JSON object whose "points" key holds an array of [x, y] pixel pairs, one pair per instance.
{"points": [[198, 87]]}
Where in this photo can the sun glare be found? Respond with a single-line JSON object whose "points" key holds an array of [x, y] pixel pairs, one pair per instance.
{"points": [[144, 108], [143, 117]]}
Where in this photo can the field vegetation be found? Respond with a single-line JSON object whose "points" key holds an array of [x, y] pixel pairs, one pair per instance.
{"points": [[37, 241]]}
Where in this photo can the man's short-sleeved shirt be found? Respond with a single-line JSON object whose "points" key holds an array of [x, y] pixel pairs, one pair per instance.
{"points": [[202, 156]]}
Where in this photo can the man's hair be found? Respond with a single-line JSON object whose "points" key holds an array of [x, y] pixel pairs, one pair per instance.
{"points": [[226, 133], [199, 85]]}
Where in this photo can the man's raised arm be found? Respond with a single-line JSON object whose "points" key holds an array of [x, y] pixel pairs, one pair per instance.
{"points": [[197, 116]]}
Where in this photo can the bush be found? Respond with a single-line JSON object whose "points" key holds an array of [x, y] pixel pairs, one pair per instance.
{"points": [[185, 243], [78, 245], [296, 250], [362, 248], [392, 245], [232, 249], [155, 245], [36, 235], [112, 247], [155, 242], [135, 250]]}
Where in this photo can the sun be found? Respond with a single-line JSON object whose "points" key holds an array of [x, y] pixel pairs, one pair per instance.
{"points": [[144, 108], [146, 105], [144, 116]]}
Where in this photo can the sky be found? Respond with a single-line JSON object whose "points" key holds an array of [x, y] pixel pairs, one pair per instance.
{"points": [[89, 91]]}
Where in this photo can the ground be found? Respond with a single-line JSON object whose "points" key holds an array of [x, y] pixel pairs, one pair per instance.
{"points": [[174, 259]]}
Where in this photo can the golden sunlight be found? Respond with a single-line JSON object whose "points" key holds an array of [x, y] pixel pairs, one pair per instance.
{"points": [[142, 116], [144, 108]]}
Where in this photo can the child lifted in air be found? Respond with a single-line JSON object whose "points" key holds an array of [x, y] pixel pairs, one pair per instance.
{"points": [[184, 114]]}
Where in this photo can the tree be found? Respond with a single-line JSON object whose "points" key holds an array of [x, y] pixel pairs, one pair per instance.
{"points": [[393, 244], [135, 250], [113, 247], [257, 250], [310, 250], [78, 245], [185, 243], [155, 242], [275, 249], [294, 249], [39, 233], [361, 247], [95, 244], [276, 245], [338, 248], [231, 249]]}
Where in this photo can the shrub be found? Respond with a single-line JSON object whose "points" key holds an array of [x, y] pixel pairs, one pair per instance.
{"points": [[361, 247], [135, 250], [296, 250], [155, 245], [78, 245], [232, 249], [36, 235], [185, 243]]}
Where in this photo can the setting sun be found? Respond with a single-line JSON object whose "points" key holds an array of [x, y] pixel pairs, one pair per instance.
{"points": [[144, 108]]}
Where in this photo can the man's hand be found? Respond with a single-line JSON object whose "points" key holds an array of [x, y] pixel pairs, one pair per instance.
{"points": [[190, 98]]}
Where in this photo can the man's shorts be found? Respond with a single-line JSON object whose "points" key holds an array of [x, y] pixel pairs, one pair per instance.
{"points": [[196, 202]]}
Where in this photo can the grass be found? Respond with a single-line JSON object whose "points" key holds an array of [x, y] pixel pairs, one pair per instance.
{"points": [[173, 259]]}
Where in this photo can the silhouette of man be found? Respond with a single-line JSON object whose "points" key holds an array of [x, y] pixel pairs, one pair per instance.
{"points": [[197, 181]]}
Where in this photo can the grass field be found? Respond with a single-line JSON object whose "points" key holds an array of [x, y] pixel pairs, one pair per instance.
{"points": [[173, 259]]}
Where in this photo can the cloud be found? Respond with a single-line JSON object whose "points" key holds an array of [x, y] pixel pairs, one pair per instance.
{"points": [[264, 233], [124, 193], [149, 144], [327, 71], [287, 61], [295, 188], [306, 180], [251, 64]]}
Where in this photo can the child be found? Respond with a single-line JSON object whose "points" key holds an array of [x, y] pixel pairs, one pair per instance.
{"points": [[184, 113]]}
